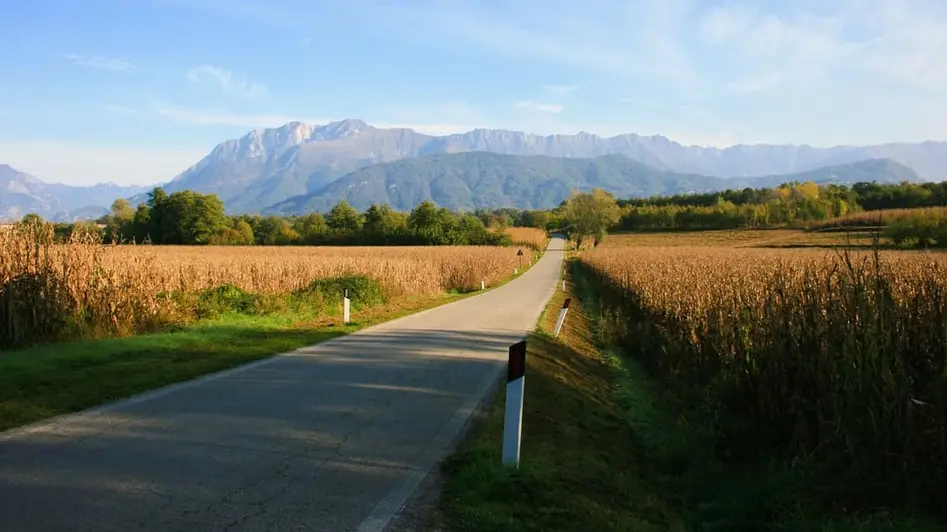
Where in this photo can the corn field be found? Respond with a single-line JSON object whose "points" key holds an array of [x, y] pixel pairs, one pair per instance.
{"points": [[835, 363], [83, 288], [528, 236]]}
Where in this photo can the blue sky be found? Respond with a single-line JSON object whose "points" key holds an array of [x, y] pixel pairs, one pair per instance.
{"points": [[135, 91]]}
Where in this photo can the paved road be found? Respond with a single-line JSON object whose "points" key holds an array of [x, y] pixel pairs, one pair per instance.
{"points": [[331, 437]]}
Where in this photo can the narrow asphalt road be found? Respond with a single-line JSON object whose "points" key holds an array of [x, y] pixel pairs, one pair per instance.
{"points": [[331, 437]]}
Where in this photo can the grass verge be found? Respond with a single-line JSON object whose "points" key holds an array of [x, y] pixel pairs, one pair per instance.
{"points": [[603, 449], [48, 380], [580, 461]]}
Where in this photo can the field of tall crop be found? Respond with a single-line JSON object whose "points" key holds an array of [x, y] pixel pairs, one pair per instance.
{"points": [[85, 289], [528, 236], [834, 365]]}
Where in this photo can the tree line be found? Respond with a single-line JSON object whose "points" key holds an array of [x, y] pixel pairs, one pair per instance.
{"points": [[191, 218], [789, 204]]}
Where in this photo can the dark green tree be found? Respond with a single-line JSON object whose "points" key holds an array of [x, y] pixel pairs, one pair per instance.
{"points": [[343, 218], [312, 228]]}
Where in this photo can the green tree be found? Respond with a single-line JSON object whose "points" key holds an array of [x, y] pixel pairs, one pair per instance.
{"points": [[311, 228], [157, 206], [591, 214], [141, 224], [381, 222], [275, 231], [433, 225], [343, 218], [239, 233], [190, 218], [32, 218], [120, 221]]}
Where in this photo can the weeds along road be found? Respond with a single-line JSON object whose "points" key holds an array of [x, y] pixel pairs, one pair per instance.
{"points": [[331, 437]]}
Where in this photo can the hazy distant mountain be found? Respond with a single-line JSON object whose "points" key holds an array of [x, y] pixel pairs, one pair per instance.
{"points": [[269, 166], [479, 179], [21, 193]]}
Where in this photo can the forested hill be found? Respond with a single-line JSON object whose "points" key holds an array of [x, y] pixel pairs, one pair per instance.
{"points": [[473, 180]]}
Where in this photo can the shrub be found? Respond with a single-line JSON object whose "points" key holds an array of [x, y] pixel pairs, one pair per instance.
{"points": [[363, 291]]}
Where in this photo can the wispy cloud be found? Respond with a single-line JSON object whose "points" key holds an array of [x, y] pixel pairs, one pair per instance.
{"points": [[890, 40], [616, 38], [551, 108], [228, 81], [102, 63]]}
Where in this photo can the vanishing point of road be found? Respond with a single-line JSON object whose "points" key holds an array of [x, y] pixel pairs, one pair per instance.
{"points": [[332, 437]]}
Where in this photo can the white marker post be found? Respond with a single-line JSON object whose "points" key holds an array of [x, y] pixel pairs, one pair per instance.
{"points": [[562, 316], [346, 307], [483, 284], [563, 285], [513, 421]]}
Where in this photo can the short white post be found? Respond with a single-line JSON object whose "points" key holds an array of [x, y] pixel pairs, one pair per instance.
{"points": [[513, 420], [563, 285], [562, 316], [346, 307], [516, 271], [483, 284]]}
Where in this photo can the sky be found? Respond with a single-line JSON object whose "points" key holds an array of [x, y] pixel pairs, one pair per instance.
{"points": [[136, 91]]}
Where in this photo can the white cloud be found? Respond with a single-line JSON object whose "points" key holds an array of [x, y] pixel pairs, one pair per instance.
{"points": [[551, 108], [891, 40], [87, 163], [101, 63], [617, 38], [228, 81]]}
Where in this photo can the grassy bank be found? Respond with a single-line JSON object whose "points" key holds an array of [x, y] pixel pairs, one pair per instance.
{"points": [[605, 449], [44, 381], [581, 463], [59, 378]]}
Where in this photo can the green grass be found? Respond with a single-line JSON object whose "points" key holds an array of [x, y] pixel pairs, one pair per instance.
{"points": [[604, 450], [580, 464], [49, 380]]}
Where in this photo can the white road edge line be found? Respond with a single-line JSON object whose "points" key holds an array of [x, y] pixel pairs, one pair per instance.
{"points": [[391, 505], [90, 413]]}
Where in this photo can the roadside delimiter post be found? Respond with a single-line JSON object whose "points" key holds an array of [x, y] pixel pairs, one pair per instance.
{"points": [[346, 307], [513, 420], [562, 316]]}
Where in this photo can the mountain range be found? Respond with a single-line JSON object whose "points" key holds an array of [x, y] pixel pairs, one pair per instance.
{"points": [[468, 181], [21, 193], [299, 165]]}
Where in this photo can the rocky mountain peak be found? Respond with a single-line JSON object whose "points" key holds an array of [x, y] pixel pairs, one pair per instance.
{"points": [[340, 129]]}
